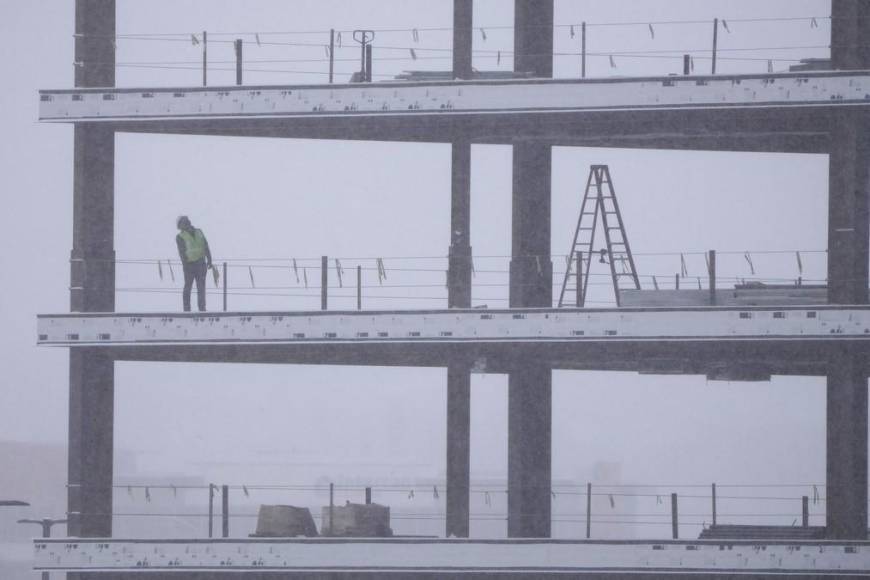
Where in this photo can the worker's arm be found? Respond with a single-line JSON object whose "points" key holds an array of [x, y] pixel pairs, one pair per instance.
{"points": [[207, 253], [181, 248]]}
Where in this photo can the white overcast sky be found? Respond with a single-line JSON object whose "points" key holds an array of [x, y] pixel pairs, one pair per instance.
{"points": [[258, 198]]}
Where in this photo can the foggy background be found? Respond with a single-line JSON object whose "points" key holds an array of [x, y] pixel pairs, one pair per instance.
{"points": [[264, 202]]}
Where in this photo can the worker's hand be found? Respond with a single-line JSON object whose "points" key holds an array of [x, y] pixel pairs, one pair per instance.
{"points": [[208, 266]]}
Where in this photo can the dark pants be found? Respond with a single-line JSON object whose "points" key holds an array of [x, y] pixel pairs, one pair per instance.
{"points": [[194, 271]]}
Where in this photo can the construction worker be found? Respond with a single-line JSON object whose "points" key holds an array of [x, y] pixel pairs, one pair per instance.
{"points": [[195, 258]]}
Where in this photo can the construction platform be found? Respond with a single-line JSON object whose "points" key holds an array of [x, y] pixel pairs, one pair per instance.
{"points": [[449, 557]]}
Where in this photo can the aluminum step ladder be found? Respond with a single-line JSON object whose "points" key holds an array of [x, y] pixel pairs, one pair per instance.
{"points": [[599, 199]]}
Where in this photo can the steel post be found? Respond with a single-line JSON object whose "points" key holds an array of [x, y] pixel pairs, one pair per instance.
{"points": [[715, 45], [331, 54], [238, 46], [359, 287], [210, 510], [224, 268], [588, 510], [331, 506], [324, 281], [713, 499], [711, 272], [204, 58], [225, 511]]}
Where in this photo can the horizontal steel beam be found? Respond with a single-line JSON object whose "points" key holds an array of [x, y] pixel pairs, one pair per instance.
{"points": [[462, 326], [459, 98], [762, 113], [452, 556]]}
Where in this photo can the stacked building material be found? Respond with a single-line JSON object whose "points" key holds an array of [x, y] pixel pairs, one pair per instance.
{"points": [[356, 520], [284, 521]]}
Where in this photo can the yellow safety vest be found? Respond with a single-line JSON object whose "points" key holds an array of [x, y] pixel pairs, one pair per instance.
{"points": [[194, 244]]}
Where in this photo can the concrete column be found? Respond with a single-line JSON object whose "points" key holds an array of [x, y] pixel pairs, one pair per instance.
{"points": [[92, 283], [458, 449], [533, 37], [531, 284], [458, 373], [91, 442], [530, 385], [850, 24], [529, 450], [95, 43], [459, 254], [92, 260], [462, 39], [848, 239], [531, 271], [848, 203], [846, 446]]}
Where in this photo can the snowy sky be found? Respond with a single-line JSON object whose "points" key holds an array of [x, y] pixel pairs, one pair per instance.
{"points": [[260, 198]]}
